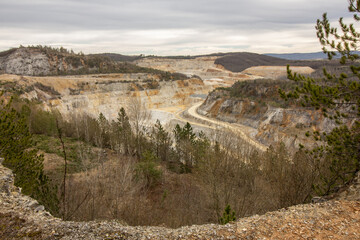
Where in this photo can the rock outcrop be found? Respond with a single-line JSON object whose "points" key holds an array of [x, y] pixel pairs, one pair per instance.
{"points": [[268, 124], [24, 61], [44, 61], [23, 218]]}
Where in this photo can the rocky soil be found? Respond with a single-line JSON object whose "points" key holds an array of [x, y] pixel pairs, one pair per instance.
{"points": [[23, 218]]}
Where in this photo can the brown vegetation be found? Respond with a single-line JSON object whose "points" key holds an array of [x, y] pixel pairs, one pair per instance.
{"points": [[144, 175]]}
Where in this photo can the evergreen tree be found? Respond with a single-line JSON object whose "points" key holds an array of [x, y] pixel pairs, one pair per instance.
{"points": [[147, 170], [15, 144], [104, 138], [162, 141], [338, 97], [228, 215], [125, 133], [189, 147]]}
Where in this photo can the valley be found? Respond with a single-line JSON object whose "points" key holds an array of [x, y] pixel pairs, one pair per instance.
{"points": [[180, 137], [179, 120], [107, 93]]}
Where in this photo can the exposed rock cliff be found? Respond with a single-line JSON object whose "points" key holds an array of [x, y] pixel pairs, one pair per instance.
{"points": [[25, 62], [41, 61], [259, 106], [105, 93]]}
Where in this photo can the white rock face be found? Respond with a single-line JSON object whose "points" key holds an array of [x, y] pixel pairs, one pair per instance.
{"points": [[25, 62], [107, 93]]}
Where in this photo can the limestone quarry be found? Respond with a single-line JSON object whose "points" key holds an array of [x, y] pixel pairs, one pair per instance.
{"points": [[107, 93], [175, 99], [93, 94], [210, 72]]}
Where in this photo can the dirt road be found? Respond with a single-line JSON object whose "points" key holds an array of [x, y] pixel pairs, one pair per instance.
{"points": [[239, 129]]}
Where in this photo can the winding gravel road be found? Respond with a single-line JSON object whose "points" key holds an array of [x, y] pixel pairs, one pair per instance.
{"points": [[210, 122]]}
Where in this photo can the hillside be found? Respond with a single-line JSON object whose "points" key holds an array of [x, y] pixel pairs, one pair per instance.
{"points": [[106, 93], [238, 62], [23, 218], [257, 105], [299, 56], [118, 57], [45, 61], [227, 68], [303, 56], [233, 62]]}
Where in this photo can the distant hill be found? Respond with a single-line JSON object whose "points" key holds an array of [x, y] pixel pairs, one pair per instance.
{"points": [[303, 56], [118, 57], [238, 62], [299, 56], [45, 61]]}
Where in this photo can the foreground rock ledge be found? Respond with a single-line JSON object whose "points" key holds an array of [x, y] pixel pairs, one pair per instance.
{"points": [[23, 218]]}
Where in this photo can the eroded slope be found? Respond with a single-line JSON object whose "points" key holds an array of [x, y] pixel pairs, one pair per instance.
{"points": [[105, 93], [269, 119]]}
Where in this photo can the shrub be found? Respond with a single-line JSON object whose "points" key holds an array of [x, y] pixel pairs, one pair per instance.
{"points": [[228, 215]]}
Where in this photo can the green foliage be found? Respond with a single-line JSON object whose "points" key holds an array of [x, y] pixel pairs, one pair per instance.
{"points": [[228, 215], [104, 135], [75, 61], [338, 97], [162, 142], [50, 144], [42, 122], [340, 157], [190, 148], [147, 170], [185, 133], [27, 166], [124, 132], [264, 89]]}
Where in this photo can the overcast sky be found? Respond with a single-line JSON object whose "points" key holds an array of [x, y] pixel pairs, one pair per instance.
{"points": [[166, 27]]}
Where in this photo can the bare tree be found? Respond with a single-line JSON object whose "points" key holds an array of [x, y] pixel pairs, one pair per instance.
{"points": [[59, 132], [139, 117]]}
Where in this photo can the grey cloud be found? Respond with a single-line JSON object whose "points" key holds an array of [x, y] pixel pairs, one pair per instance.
{"points": [[158, 14], [214, 19]]}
